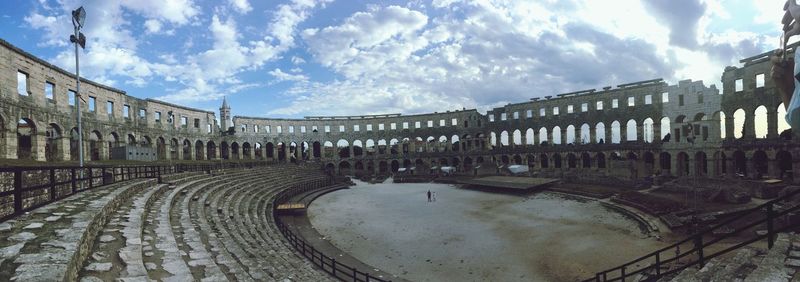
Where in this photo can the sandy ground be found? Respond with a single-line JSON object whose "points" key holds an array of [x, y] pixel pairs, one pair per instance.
{"points": [[470, 235]]}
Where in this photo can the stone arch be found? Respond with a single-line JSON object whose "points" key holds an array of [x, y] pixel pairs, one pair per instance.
{"points": [[493, 139], [531, 160], [631, 131], [760, 163], [543, 136], [504, 138], [198, 150], [258, 150], [586, 160], [586, 134], [530, 137], [665, 128], [26, 139], [740, 162], [344, 167], [393, 149], [247, 150], [343, 148], [739, 117], [683, 164], [455, 143], [161, 148], [270, 148], [281, 147], [600, 132], [173, 148], [131, 139], [557, 160], [517, 137], [616, 134], [648, 132], [211, 150], [187, 149], [370, 147], [544, 161], [383, 167], [53, 146], [572, 161], [294, 152], [556, 135], [329, 149], [649, 162], [601, 160], [665, 161], [700, 163], [95, 139], [395, 165], [760, 121], [236, 153], [571, 134], [358, 148], [317, 149], [382, 147]]}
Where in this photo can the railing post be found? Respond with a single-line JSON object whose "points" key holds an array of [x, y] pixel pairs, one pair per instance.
{"points": [[770, 228], [355, 279], [334, 266], [18, 191], [52, 184], [698, 244], [367, 275], [658, 264], [622, 275]]}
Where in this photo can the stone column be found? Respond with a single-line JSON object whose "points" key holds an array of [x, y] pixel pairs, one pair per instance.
{"points": [[10, 140], [729, 127], [563, 136], [640, 132], [62, 148], [103, 150], [38, 142], [251, 154], [772, 123], [656, 132]]}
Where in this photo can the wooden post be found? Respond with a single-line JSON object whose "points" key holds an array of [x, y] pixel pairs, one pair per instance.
{"points": [[18, 191]]}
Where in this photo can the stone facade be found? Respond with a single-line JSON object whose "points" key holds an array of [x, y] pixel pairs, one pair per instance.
{"points": [[618, 130]]}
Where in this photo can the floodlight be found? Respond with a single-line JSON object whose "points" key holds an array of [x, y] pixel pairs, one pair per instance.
{"points": [[79, 16]]}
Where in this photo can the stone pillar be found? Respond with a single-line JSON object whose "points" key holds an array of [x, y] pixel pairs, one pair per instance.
{"points": [[251, 154], [656, 132], [62, 148], [730, 167], [179, 152], [103, 150], [607, 132], [749, 125], [192, 152], [640, 132], [38, 142], [729, 127], [772, 123], [772, 168], [10, 140], [563, 136]]}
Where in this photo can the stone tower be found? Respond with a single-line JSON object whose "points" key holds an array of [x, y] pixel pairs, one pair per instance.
{"points": [[225, 116]]}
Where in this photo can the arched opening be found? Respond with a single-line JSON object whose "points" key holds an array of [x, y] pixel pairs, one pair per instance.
{"points": [[783, 126], [616, 136], [529, 137], [131, 140], [358, 148], [493, 139], [570, 134], [531, 161], [543, 136], [281, 151], [649, 163], [95, 139], [317, 150], [648, 131], [393, 146], [517, 159], [52, 147], [383, 167], [382, 147], [304, 151], [293, 152], [359, 166], [739, 117], [259, 151], [556, 135], [270, 148], [73, 144], [665, 159], [174, 146], [572, 161], [235, 151], [665, 129], [455, 143], [370, 147], [720, 163], [601, 160], [370, 167], [760, 161], [683, 164], [760, 121], [344, 168], [247, 150], [517, 137], [328, 149], [330, 168], [784, 160], [211, 150], [504, 159], [26, 133], [198, 150], [740, 163], [395, 165], [224, 150], [586, 160], [187, 149], [700, 164], [586, 134], [600, 133], [344, 148], [504, 138], [544, 161], [467, 163], [557, 160], [161, 148], [631, 131]]}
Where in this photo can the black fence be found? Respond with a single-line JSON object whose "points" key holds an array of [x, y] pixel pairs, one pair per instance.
{"points": [[771, 218], [325, 262], [23, 189]]}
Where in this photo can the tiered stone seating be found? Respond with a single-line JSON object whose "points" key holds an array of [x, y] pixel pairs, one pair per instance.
{"points": [[51, 243], [194, 227]]}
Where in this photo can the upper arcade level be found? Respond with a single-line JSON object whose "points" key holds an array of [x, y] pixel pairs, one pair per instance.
{"points": [[43, 93]]}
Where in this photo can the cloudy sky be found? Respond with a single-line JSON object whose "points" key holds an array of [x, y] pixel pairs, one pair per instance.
{"points": [[329, 57]]}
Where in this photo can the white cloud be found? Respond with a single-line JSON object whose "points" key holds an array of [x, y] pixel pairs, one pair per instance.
{"points": [[241, 6], [152, 26], [282, 76]]}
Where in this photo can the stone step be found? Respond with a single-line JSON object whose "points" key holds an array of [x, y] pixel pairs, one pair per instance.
{"points": [[52, 243]]}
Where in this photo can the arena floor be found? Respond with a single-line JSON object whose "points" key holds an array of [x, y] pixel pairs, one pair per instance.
{"points": [[469, 235]]}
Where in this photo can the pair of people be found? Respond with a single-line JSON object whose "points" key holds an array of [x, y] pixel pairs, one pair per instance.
{"points": [[431, 196]]}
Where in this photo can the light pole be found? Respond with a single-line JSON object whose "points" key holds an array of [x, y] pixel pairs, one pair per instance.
{"points": [[78, 17]]}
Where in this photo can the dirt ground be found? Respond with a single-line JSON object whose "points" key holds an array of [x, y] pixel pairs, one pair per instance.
{"points": [[470, 235]]}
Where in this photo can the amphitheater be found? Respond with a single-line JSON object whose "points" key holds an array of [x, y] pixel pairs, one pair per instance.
{"points": [[205, 207]]}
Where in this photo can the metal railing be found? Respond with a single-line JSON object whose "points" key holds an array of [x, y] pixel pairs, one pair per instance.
{"points": [[776, 215], [23, 189], [324, 262]]}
